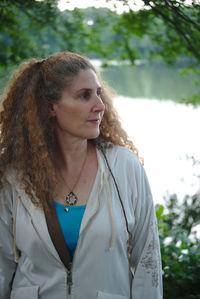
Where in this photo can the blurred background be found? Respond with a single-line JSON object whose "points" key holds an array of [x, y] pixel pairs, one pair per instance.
{"points": [[148, 52]]}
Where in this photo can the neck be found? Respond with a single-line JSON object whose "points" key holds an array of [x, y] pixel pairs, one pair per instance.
{"points": [[70, 153]]}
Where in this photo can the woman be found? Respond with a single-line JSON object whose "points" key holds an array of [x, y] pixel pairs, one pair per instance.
{"points": [[76, 213]]}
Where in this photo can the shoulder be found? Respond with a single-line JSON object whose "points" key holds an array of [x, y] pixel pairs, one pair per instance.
{"points": [[9, 179], [6, 199], [11, 185], [123, 157], [127, 167], [130, 176]]}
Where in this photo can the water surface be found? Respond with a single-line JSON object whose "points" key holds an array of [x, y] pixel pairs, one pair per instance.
{"points": [[165, 134]]}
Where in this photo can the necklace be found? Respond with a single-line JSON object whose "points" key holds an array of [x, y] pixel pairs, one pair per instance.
{"points": [[71, 199]]}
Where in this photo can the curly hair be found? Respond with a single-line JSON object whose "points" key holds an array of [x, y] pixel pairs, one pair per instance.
{"points": [[27, 136]]}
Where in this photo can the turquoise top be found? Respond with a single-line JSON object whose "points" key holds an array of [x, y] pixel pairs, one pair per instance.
{"points": [[70, 223]]}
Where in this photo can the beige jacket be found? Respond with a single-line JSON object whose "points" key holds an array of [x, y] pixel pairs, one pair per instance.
{"points": [[30, 267]]}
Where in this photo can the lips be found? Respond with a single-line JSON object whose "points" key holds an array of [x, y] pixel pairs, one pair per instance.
{"points": [[94, 121]]}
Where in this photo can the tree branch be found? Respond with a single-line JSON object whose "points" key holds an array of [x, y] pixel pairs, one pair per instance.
{"points": [[183, 16], [178, 29]]}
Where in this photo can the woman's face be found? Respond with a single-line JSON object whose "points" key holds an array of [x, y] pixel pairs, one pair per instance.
{"points": [[80, 110]]}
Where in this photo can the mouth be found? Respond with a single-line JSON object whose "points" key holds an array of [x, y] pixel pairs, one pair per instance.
{"points": [[95, 121]]}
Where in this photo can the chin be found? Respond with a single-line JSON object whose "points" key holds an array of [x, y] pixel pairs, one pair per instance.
{"points": [[93, 135]]}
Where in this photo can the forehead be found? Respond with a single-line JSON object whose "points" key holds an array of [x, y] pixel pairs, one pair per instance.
{"points": [[85, 79]]}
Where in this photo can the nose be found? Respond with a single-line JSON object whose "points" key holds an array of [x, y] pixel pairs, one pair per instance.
{"points": [[98, 105]]}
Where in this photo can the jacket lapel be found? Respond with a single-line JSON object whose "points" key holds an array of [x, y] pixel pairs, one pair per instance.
{"points": [[92, 204], [39, 224], [36, 214]]}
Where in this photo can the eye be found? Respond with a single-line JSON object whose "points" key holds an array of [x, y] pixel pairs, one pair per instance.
{"points": [[85, 95], [99, 92]]}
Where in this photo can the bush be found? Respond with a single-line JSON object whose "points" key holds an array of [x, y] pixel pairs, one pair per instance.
{"points": [[180, 250]]}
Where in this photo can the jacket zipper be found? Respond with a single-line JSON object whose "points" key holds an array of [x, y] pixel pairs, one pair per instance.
{"points": [[69, 279], [69, 270]]}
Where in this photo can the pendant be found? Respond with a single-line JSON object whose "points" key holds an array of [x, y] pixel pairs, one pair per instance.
{"points": [[71, 199]]}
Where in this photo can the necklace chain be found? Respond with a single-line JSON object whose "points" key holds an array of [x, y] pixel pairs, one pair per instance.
{"points": [[77, 180], [71, 198]]}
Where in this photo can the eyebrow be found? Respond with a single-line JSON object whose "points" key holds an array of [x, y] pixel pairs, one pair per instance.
{"points": [[88, 89]]}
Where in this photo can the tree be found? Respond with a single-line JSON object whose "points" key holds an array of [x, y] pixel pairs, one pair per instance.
{"points": [[166, 30], [19, 22], [170, 29], [173, 26], [37, 29]]}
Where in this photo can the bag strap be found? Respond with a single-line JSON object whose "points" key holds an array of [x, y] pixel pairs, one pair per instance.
{"points": [[56, 235]]}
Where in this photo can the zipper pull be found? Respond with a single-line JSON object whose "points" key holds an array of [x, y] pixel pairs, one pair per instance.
{"points": [[69, 279]]}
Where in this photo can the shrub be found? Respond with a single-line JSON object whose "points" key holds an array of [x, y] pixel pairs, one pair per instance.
{"points": [[180, 250]]}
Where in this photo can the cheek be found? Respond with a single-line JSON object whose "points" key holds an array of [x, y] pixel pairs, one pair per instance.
{"points": [[70, 116], [62, 117]]}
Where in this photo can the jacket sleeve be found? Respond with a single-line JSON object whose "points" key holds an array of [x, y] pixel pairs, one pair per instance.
{"points": [[7, 262], [145, 257]]}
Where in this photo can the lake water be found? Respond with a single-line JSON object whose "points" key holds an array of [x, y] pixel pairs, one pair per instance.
{"points": [[151, 81], [165, 134]]}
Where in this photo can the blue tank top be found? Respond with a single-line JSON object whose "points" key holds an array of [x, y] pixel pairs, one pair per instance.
{"points": [[70, 223]]}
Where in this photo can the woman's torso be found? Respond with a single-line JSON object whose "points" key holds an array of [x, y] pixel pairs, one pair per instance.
{"points": [[100, 266]]}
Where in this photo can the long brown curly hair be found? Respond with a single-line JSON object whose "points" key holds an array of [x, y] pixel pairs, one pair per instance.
{"points": [[27, 136]]}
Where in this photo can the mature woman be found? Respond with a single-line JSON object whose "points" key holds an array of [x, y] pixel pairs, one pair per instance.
{"points": [[76, 213]]}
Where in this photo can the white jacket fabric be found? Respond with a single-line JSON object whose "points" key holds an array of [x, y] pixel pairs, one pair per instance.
{"points": [[30, 267]]}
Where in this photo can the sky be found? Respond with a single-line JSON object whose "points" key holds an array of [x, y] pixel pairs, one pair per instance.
{"points": [[134, 4], [64, 4]]}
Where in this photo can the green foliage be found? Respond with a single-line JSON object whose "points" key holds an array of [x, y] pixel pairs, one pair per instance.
{"points": [[180, 249], [174, 27], [193, 100], [37, 28], [21, 23], [73, 31], [167, 30]]}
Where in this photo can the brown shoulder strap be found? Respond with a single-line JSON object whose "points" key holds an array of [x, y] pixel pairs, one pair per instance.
{"points": [[56, 235]]}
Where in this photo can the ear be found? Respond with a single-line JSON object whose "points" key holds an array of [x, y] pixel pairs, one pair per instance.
{"points": [[52, 108]]}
